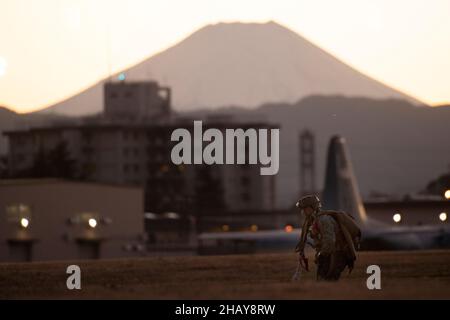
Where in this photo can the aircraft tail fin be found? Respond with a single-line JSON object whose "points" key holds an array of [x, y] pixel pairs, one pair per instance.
{"points": [[341, 190]]}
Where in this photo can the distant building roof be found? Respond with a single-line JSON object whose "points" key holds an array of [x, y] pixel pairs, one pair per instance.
{"points": [[142, 126], [41, 181]]}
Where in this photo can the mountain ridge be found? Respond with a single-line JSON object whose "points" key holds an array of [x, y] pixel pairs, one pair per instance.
{"points": [[245, 64]]}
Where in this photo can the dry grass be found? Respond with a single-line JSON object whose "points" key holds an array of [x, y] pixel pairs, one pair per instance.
{"points": [[405, 275]]}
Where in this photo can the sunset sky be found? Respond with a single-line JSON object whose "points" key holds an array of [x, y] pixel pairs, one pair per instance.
{"points": [[51, 49]]}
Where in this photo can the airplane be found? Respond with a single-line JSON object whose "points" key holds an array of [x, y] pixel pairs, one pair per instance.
{"points": [[341, 193]]}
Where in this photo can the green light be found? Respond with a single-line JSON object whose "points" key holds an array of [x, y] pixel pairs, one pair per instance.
{"points": [[121, 77]]}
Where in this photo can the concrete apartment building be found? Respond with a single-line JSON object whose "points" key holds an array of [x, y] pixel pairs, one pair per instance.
{"points": [[130, 144], [140, 156]]}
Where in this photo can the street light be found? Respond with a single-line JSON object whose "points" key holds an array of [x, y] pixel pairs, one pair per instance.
{"points": [[397, 217], [24, 222], [92, 223], [447, 194]]}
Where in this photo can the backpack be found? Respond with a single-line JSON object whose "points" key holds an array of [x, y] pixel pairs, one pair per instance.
{"points": [[349, 228]]}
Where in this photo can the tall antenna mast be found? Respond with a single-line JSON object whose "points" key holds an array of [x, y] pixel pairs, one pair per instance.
{"points": [[108, 44]]}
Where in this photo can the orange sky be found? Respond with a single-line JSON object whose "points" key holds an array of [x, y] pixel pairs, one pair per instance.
{"points": [[51, 49]]}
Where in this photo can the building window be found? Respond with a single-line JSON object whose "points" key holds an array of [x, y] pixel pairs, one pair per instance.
{"points": [[245, 197], [19, 158], [87, 137], [87, 151], [245, 181], [21, 141]]}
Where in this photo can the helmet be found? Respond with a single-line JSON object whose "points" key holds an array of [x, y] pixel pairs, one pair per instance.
{"points": [[312, 201]]}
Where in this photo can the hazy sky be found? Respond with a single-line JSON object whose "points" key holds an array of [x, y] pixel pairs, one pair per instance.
{"points": [[50, 49]]}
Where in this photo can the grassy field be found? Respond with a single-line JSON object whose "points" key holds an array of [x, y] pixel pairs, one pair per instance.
{"points": [[404, 275]]}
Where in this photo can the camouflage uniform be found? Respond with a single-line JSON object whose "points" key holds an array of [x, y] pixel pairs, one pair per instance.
{"points": [[332, 250], [330, 245]]}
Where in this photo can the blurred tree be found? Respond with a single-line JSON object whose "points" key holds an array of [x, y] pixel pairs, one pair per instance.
{"points": [[439, 186]]}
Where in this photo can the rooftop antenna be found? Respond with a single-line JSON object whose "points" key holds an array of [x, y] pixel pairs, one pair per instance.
{"points": [[108, 45]]}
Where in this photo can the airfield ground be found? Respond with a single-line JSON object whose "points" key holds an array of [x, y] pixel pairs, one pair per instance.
{"points": [[404, 275]]}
